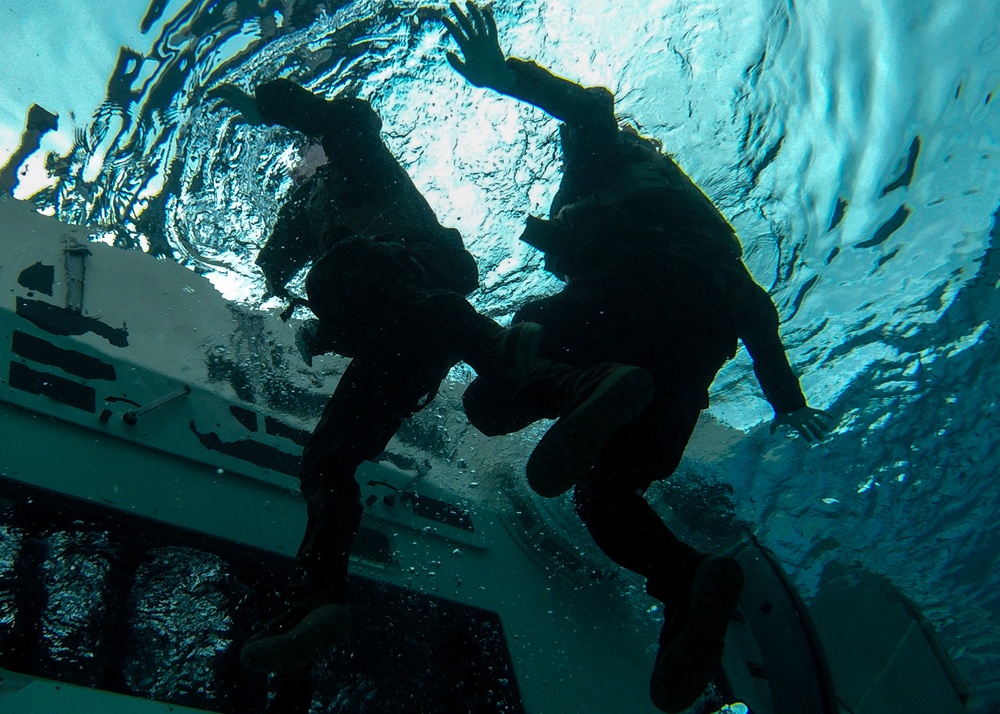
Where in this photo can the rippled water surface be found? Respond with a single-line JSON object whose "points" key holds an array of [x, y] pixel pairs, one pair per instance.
{"points": [[853, 145]]}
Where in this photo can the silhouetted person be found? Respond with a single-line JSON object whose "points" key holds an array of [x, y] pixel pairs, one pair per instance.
{"points": [[654, 278], [387, 285], [39, 123]]}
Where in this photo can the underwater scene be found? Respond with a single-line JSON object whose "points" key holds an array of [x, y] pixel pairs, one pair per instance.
{"points": [[161, 378]]}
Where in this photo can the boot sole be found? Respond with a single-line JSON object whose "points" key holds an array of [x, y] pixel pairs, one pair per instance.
{"points": [[574, 443], [685, 666], [326, 626]]}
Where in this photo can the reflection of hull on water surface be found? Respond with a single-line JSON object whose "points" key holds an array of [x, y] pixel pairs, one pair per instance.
{"points": [[130, 483]]}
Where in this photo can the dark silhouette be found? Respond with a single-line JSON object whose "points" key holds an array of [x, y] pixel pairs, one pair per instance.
{"points": [[654, 278], [387, 285]]}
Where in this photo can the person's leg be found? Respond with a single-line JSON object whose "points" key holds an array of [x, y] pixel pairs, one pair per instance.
{"points": [[610, 498], [371, 401], [496, 407], [580, 379], [705, 598], [493, 351], [592, 404], [699, 591], [374, 295]]}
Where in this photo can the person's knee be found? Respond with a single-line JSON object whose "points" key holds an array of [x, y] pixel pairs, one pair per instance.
{"points": [[490, 407]]}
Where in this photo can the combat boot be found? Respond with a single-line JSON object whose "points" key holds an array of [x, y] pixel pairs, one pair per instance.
{"points": [[294, 639], [700, 600], [317, 617], [595, 403]]}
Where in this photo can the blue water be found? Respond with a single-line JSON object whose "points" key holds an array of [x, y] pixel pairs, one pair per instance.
{"points": [[855, 147]]}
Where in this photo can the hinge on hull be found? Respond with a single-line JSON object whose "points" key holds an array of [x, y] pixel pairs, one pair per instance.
{"points": [[76, 270]]}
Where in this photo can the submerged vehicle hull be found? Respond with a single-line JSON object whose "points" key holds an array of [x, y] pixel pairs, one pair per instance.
{"points": [[116, 432]]}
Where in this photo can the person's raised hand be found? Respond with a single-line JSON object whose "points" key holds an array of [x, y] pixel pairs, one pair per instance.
{"points": [[812, 424], [475, 32], [232, 96]]}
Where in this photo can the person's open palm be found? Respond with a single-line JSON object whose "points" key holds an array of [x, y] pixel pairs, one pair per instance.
{"points": [[235, 98], [475, 32], [812, 424]]}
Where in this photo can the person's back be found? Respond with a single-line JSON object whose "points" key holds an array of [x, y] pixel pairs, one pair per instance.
{"points": [[630, 229], [668, 316], [362, 192], [638, 241], [630, 173]]}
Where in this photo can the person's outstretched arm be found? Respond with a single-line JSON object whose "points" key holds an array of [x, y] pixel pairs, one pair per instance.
{"points": [[290, 246], [757, 327], [483, 64], [279, 102]]}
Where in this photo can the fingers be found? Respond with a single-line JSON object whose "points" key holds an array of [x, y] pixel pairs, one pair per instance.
{"points": [[460, 38], [232, 97], [822, 422], [819, 415], [813, 425], [457, 64], [477, 18], [804, 432], [221, 91], [491, 24], [818, 427], [462, 19], [474, 23]]}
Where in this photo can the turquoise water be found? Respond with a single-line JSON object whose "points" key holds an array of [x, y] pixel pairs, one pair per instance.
{"points": [[854, 147]]}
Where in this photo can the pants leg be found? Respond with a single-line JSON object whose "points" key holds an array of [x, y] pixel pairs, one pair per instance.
{"points": [[625, 527], [498, 405], [371, 401], [611, 503], [610, 499], [495, 407]]}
